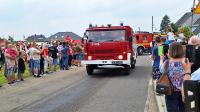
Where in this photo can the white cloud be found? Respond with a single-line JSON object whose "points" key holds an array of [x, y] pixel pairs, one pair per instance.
{"points": [[50, 16]]}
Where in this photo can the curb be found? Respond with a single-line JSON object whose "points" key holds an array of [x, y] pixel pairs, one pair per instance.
{"points": [[160, 100], [151, 105]]}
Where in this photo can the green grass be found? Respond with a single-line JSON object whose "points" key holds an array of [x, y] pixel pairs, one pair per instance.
{"points": [[3, 80]]}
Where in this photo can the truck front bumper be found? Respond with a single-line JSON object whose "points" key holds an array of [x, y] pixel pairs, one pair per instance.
{"points": [[107, 62]]}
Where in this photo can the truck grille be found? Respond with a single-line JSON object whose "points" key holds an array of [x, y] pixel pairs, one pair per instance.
{"points": [[104, 51], [104, 57]]}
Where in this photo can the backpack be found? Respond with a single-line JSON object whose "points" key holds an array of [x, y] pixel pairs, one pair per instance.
{"points": [[164, 85]]}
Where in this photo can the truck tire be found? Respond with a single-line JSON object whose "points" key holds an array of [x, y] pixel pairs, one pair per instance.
{"points": [[127, 70], [90, 69], [140, 50]]}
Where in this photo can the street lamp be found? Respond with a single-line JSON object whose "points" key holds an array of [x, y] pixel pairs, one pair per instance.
{"points": [[192, 14]]}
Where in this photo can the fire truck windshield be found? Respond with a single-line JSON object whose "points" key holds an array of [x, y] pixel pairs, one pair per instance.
{"points": [[106, 36]]}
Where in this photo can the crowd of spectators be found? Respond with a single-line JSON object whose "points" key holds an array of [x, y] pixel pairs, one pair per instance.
{"points": [[16, 58], [179, 68]]}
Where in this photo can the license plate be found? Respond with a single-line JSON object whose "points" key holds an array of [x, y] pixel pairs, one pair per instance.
{"points": [[117, 62]]}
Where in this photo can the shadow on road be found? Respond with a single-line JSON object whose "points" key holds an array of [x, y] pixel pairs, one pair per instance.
{"points": [[114, 72], [139, 72]]}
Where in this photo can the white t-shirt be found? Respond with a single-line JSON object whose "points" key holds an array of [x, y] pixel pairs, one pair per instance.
{"points": [[181, 36], [170, 36], [34, 53]]}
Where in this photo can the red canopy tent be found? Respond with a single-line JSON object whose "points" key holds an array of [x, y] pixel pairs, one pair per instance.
{"points": [[77, 41], [69, 40]]}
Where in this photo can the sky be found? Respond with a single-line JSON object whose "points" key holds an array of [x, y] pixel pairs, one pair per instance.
{"points": [[20, 18]]}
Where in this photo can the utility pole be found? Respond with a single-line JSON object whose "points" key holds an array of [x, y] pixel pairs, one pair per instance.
{"points": [[192, 14], [152, 25], [139, 29]]}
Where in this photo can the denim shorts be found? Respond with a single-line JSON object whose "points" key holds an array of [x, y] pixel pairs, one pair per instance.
{"points": [[79, 57], [54, 61], [36, 64], [31, 64], [10, 71]]}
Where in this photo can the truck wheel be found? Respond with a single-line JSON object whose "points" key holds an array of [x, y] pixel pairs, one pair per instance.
{"points": [[127, 70], [89, 69], [140, 50]]}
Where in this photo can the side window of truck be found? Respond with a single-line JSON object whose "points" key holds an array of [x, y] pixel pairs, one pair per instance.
{"points": [[145, 38], [137, 37]]}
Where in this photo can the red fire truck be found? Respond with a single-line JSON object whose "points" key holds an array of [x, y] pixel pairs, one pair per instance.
{"points": [[144, 40], [110, 45]]}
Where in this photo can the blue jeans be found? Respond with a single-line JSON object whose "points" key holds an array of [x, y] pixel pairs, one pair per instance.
{"points": [[174, 102], [31, 65], [36, 64], [65, 62], [79, 56]]}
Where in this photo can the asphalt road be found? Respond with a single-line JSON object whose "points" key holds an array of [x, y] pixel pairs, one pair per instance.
{"points": [[73, 91]]}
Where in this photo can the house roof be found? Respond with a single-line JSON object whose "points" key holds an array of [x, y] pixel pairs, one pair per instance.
{"points": [[36, 38], [61, 36], [187, 18], [197, 30], [183, 19]]}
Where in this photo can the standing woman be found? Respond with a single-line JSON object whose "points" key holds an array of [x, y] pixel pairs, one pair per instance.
{"points": [[11, 55], [20, 64], [176, 73], [35, 54], [78, 55]]}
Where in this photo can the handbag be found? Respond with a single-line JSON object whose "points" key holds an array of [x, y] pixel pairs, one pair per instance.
{"points": [[164, 85]]}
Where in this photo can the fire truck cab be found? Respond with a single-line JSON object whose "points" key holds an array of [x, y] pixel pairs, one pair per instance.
{"points": [[110, 45]]}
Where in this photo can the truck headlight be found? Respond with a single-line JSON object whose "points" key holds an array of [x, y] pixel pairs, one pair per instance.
{"points": [[120, 57], [89, 57]]}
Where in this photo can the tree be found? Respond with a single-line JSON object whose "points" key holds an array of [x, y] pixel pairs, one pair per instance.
{"points": [[174, 28], [165, 24], [187, 31], [11, 39]]}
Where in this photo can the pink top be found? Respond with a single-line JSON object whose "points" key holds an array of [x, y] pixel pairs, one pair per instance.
{"points": [[11, 52]]}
